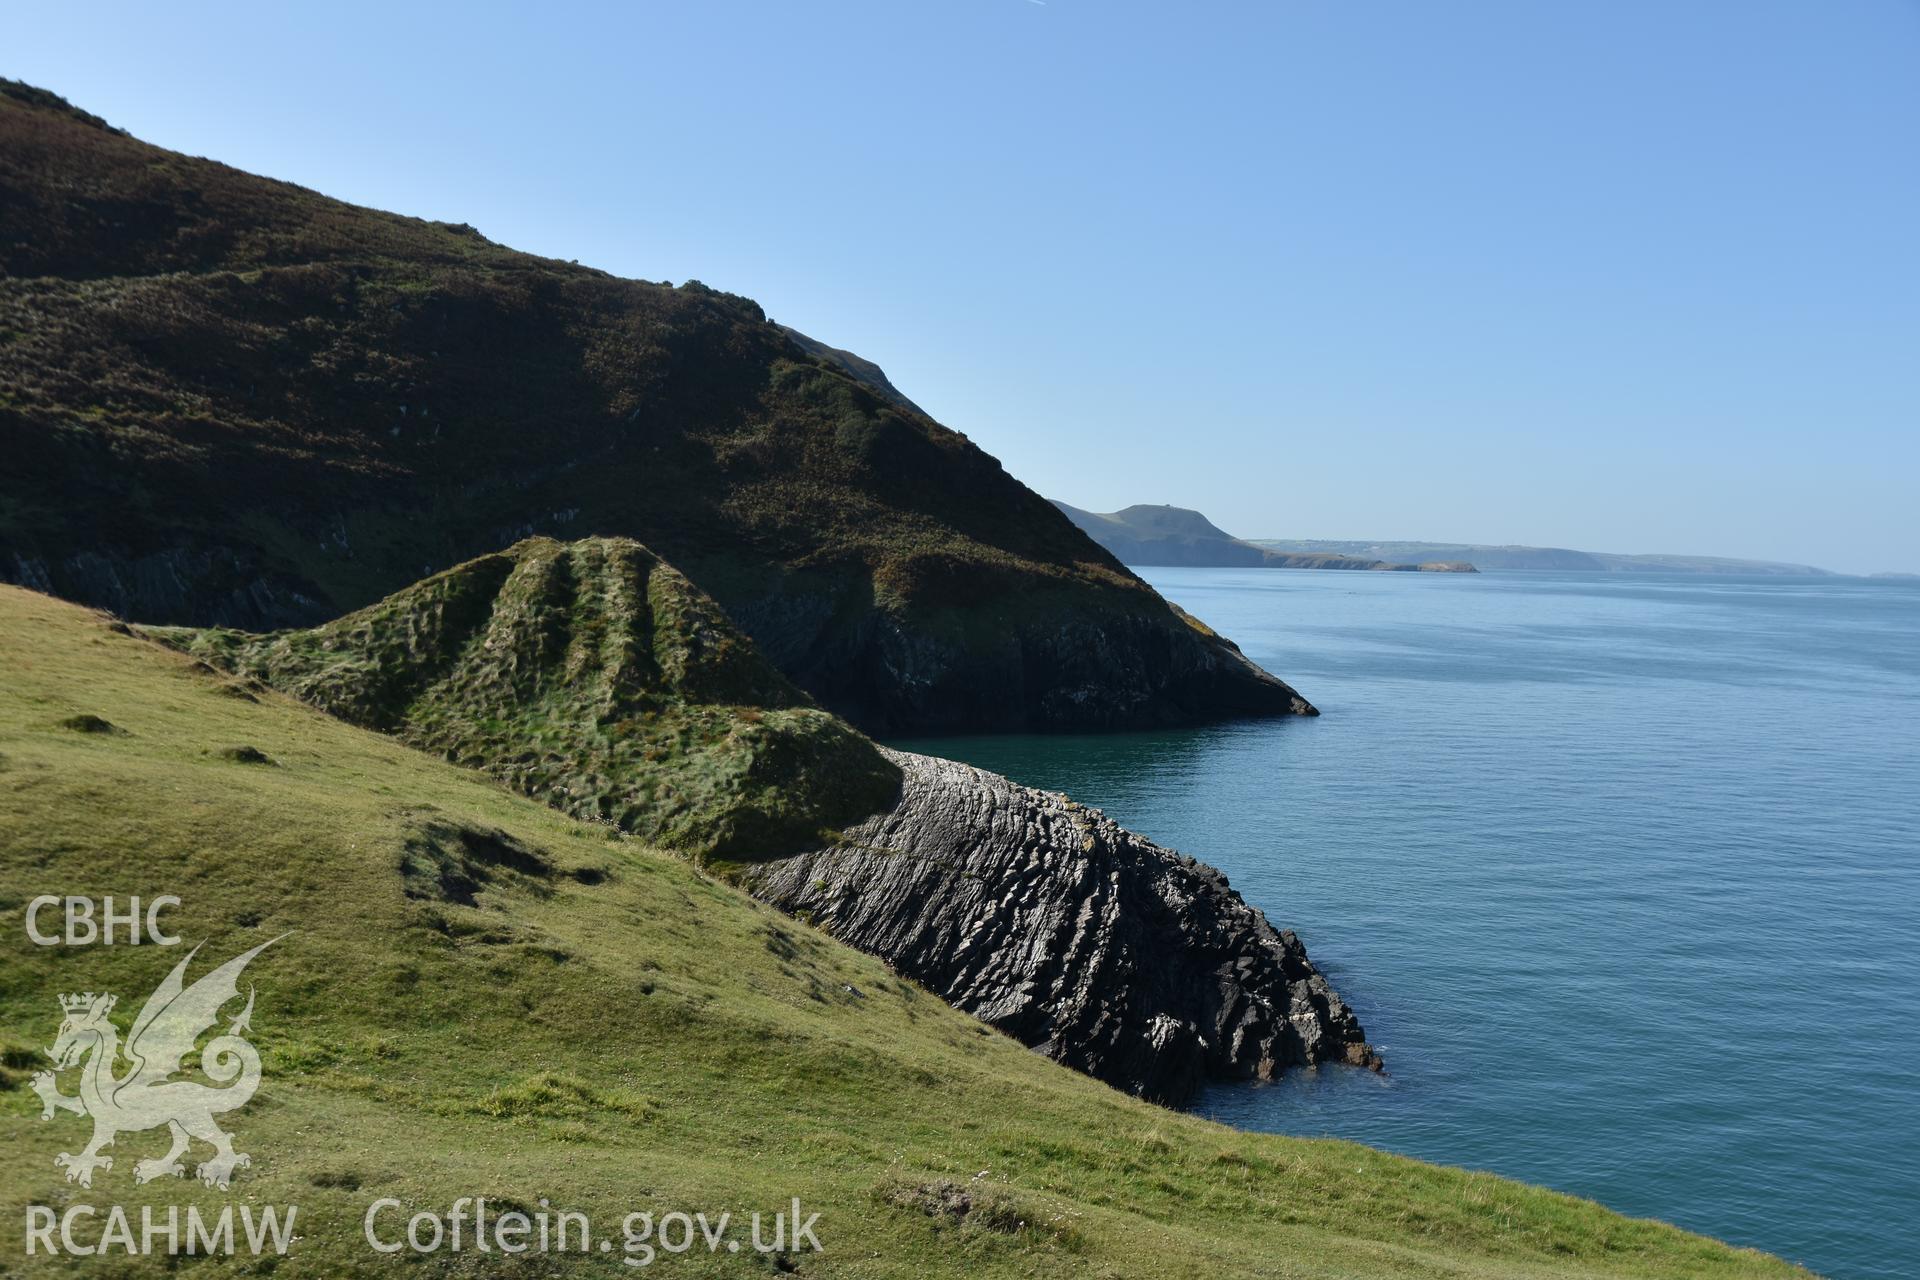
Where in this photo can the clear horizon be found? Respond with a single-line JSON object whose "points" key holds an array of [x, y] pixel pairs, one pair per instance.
{"points": [[1618, 278]]}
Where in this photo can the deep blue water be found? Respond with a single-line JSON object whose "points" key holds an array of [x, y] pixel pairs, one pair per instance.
{"points": [[1622, 875]]}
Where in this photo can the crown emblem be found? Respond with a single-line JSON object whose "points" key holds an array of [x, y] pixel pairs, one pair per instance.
{"points": [[79, 1003]]}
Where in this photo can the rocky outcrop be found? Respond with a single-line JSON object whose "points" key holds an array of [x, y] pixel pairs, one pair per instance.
{"points": [[596, 677], [180, 580], [1068, 669], [1091, 944]]}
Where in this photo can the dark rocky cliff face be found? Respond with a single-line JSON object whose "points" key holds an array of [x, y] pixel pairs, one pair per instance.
{"points": [[228, 401], [1081, 939], [1064, 665]]}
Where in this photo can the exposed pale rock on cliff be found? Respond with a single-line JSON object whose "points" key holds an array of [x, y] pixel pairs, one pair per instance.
{"points": [[1135, 964]]}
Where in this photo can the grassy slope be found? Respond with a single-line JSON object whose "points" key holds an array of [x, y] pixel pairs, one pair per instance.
{"points": [[636, 1037]]}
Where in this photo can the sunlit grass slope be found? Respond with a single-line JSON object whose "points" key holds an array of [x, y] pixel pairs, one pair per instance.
{"points": [[480, 996]]}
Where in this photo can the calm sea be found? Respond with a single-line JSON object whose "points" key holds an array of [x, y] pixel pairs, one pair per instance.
{"points": [[1622, 874]]}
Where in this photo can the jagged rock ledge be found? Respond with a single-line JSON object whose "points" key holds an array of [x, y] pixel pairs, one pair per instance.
{"points": [[1091, 944]]}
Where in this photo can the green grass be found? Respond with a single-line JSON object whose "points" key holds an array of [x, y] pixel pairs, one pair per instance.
{"points": [[593, 676], [610, 1028]]}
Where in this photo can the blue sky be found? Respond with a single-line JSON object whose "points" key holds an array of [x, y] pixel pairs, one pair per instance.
{"points": [[1630, 275]]}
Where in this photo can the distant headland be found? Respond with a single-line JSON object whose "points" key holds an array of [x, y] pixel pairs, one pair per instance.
{"points": [[1161, 535], [1151, 535]]}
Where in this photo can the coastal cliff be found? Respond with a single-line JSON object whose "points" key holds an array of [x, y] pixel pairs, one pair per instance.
{"points": [[597, 678], [1077, 937], [229, 401]]}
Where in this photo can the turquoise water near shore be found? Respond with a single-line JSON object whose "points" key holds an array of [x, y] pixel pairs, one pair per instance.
{"points": [[1622, 875]]}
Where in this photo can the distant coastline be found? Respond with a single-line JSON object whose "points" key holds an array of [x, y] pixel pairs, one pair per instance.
{"points": [[1561, 559], [1148, 536]]}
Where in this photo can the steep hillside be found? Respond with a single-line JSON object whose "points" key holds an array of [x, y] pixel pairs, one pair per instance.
{"points": [[594, 677], [229, 401], [1163, 535], [859, 368], [478, 996]]}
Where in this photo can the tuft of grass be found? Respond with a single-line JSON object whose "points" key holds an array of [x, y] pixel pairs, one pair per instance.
{"points": [[86, 722], [244, 754], [557, 1095]]}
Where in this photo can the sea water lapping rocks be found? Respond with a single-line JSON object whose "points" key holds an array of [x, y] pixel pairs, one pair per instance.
{"points": [[1574, 812], [1050, 921], [596, 677]]}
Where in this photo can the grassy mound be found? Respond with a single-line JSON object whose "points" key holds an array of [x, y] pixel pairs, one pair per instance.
{"points": [[595, 677], [481, 996]]}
